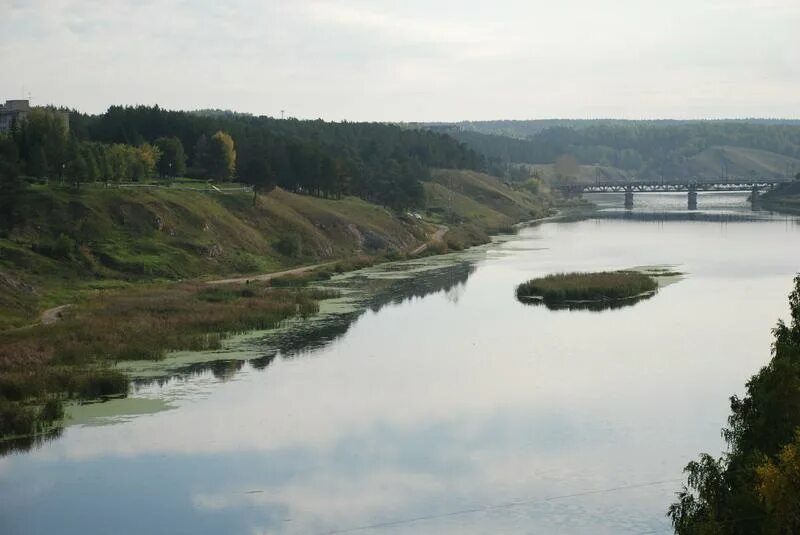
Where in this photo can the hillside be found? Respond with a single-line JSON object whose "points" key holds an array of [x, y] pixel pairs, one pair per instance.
{"points": [[526, 128], [741, 162], [645, 149], [711, 163], [69, 242], [474, 205]]}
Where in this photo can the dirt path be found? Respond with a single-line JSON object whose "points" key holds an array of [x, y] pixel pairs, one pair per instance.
{"points": [[52, 315], [436, 238], [270, 276]]}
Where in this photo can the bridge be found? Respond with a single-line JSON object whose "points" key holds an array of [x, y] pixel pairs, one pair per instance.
{"points": [[690, 186]]}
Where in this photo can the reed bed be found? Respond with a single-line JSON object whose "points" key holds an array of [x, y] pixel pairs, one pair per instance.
{"points": [[582, 287]]}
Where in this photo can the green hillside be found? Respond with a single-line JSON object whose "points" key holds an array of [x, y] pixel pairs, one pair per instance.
{"points": [[71, 243], [711, 163], [741, 162], [645, 150]]}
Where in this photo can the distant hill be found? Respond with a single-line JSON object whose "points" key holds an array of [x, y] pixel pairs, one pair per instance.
{"points": [[642, 149], [525, 128], [741, 161]]}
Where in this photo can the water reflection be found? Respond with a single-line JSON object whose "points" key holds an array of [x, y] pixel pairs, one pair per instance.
{"points": [[24, 444], [592, 306], [461, 400], [369, 290]]}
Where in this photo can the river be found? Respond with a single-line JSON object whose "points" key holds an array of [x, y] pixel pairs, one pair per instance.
{"points": [[438, 403]]}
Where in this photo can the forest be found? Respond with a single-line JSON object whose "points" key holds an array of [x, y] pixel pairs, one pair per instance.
{"points": [[380, 163], [646, 148]]}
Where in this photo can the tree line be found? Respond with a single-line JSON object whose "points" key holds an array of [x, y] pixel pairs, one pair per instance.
{"points": [[648, 148], [379, 162]]}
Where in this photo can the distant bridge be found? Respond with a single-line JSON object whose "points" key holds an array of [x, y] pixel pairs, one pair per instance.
{"points": [[690, 186]]}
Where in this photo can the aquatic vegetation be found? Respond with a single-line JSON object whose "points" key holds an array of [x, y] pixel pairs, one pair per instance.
{"points": [[606, 287], [44, 364]]}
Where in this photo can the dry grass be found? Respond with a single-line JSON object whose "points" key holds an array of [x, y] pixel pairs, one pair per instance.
{"points": [[42, 365], [602, 286]]}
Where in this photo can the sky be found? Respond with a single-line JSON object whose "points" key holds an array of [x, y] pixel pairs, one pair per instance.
{"points": [[410, 60]]}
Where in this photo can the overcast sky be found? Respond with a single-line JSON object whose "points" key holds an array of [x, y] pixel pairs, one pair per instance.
{"points": [[409, 60]]}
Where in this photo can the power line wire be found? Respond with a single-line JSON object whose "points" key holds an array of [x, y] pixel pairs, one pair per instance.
{"points": [[486, 508]]}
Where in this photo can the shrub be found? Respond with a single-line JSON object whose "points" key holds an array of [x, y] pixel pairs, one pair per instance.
{"points": [[291, 245], [60, 248], [16, 420], [52, 410]]}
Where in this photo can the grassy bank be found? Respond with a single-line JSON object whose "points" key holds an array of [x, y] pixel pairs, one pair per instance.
{"points": [[69, 245], [474, 206], [565, 288], [784, 198], [122, 257], [43, 365]]}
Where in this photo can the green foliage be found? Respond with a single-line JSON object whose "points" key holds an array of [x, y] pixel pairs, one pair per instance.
{"points": [[290, 245], [778, 485], [67, 359], [603, 286], [16, 420], [220, 157], [378, 162], [61, 247], [43, 142], [255, 169], [173, 158], [648, 149], [747, 491], [31, 398], [302, 279], [10, 183]]}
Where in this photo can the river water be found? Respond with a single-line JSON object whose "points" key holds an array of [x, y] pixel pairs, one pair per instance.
{"points": [[438, 403]]}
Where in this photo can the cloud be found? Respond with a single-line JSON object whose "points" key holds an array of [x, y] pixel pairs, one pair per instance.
{"points": [[412, 60]]}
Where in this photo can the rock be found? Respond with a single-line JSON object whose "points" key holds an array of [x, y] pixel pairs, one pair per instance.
{"points": [[214, 251], [9, 282]]}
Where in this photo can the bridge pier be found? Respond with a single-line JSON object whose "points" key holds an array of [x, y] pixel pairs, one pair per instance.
{"points": [[628, 197], [692, 197], [754, 193]]}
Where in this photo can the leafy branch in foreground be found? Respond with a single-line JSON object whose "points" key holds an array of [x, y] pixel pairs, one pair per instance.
{"points": [[755, 487]]}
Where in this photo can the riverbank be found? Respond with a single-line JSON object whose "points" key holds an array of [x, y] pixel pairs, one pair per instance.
{"points": [[68, 245], [47, 364], [97, 278], [785, 198], [588, 400]]}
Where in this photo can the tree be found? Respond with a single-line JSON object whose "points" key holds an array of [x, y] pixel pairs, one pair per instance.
{"points": [[10, 183], [200, 152], [37, 162], [142, 160], [779, 488], [220, 158], [756, 487], [173, 158], [254, 169], [45, 134], [77, 170]]}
